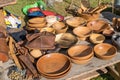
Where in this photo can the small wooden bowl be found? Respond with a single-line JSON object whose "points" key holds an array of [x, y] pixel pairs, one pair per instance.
{"points": [[105, 51], [53, 64], [82, 31], [36, 53], [60, 27], [75, 21], [97, 38], [84, 61], [80, 52], [97, 25]]}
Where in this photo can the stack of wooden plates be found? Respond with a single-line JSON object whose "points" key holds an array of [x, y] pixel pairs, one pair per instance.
{"points": [[36, 23]]}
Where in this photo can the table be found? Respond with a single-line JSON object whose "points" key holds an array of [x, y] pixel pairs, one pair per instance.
{"points": [[77, 71]]}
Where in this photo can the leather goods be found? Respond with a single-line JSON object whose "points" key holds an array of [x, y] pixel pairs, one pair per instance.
{"points": [[28, 64], [42, 41], [3, 50]]}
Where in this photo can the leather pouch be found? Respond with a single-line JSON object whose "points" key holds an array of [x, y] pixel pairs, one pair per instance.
{"points": [[42, 41]]}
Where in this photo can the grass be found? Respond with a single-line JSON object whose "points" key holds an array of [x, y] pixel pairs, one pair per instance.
{"points": [[58, 8]]}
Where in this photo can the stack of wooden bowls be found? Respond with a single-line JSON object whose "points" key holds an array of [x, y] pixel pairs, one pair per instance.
{"points": [[36, 23], [80, 54], [54, 65], [105, 51]]}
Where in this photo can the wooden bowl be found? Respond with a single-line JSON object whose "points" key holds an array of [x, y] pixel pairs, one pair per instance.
{"points": [[48, 29], [58, 76], [75, 21], [97, 25], [38, 25], [36, 20], [4, 57], [83, 61], [97, 38], [60, 27], [105, 51], [53, 64], [109, 31], [80, 52], [36, 53], [65, 40], [82, 31]]}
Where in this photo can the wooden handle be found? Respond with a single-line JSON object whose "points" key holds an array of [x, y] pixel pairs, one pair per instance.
{"points": [[12, 53], [114, 21]]}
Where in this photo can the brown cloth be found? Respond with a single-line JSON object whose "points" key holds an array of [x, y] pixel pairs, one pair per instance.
{"points": [[42, 41]]}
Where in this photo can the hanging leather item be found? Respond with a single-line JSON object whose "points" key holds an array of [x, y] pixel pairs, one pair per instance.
{"points": [[42, 41], [28, 64], [4, 49]]}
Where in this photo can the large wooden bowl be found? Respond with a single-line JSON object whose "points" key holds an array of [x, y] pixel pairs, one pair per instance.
{"points": [[105, 51], [97, 25], [75, 21], [53, 64], [82, 31], [80, 52], [58, 76]]}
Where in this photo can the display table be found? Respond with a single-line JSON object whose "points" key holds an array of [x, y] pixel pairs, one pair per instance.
{"points": [[78, 71]]}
